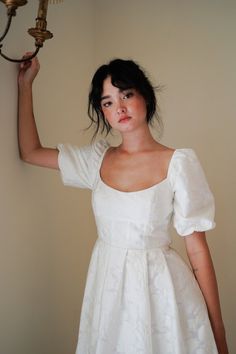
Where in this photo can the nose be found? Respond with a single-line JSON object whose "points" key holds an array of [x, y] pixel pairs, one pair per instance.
{"points": [[121, 107]]}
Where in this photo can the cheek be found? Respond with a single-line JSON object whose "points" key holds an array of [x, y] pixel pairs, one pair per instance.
{"points": [[107, 115], [104, 112], [140, 106]]}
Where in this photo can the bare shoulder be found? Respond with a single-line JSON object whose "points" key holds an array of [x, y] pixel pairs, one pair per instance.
{"points": [[164, 153], [165, 149]]}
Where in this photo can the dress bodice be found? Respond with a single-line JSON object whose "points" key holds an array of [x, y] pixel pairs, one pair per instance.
{"points": [[142, 219], [137, 220]]}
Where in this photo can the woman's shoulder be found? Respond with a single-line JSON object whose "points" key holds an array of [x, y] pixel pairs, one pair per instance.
{"points": [[177, 156], [98, 149], [100, 145], [92, 151], [183, 156], [185, 164], [178, 152]]}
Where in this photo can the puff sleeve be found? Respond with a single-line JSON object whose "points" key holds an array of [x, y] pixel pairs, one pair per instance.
{"points": [[79, 166], [193, 202]]}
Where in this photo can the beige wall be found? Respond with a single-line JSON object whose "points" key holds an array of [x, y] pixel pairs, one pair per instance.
{"points": [[45, 237], [187, 46]]}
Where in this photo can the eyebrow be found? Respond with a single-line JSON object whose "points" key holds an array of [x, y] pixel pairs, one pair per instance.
{"points": [[120, 90], [104, 97]]}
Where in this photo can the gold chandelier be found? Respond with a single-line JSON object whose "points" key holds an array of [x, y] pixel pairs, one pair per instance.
{"points": [[39, 32]]}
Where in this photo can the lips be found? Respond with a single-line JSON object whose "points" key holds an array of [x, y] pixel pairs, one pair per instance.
{"points": [[124, 119]]}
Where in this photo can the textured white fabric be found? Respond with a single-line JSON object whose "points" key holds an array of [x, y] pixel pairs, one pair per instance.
{"points": [[140, 296]]}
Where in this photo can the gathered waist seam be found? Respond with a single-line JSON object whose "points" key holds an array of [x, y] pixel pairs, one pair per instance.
{"points": [[161, 247]]}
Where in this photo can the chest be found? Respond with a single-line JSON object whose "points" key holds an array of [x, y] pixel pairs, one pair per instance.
{"points": [[133, 173]]}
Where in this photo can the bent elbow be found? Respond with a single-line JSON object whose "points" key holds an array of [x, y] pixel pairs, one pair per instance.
{"points": [[24, 157], [27, 156]]}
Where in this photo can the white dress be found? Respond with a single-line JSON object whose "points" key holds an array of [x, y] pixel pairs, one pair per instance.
{"points": [[140, 296]]}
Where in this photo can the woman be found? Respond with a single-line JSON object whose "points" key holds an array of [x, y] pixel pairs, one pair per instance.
{"points": [[140, 296]]}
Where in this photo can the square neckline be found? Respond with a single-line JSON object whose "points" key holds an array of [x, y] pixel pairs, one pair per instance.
{"points": [[153, 186]]}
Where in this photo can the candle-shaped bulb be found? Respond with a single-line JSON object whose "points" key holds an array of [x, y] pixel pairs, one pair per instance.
{"points": [[43, 8], [40, 32]]}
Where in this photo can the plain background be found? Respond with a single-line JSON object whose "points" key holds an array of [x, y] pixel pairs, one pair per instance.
{"points": [[47, 231]]}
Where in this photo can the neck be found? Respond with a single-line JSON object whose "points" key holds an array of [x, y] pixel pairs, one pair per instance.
{"points": [[138, 140]]}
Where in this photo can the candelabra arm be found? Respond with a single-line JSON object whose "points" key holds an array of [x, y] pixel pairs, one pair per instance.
{"points": [[19, 60], [39, 32], [7, 28]]}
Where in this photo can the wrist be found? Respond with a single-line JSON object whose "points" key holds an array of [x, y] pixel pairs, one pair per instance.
{"points": [[25, 85]]}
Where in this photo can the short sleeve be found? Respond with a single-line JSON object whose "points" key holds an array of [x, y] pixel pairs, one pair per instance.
{"points": [[194, 207], [79, 166]]}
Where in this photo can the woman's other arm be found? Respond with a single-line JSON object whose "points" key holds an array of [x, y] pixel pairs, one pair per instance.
{"points": [[202, 265], [31, 150]]}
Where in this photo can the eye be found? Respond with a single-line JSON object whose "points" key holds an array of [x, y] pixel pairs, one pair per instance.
{"points": [[128, 94], [106, 104]]}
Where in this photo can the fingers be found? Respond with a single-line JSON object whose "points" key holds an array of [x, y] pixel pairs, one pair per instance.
{"points": [[28, 69], [34, 60], [25, 65], [31, 62]]}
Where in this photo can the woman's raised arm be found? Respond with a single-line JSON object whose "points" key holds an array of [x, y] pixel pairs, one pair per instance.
{"points": [[31, 150]]}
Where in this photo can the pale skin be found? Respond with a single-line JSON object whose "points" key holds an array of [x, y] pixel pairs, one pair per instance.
{"points": [[128, 167]]}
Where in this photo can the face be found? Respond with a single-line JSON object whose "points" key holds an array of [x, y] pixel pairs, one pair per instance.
{"points": [[124, 110]]}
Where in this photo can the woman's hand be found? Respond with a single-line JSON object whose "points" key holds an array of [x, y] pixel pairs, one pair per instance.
{"points": [[28, 70]]}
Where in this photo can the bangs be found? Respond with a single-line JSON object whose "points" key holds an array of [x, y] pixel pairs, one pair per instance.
{"points": [[122, 83], [123, 76]]}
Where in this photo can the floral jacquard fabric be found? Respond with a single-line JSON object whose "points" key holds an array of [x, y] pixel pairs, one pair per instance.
{"points": [[140, 296]]}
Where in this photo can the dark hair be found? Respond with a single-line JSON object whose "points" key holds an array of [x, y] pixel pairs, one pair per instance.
{"points": [[125, 74]]}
